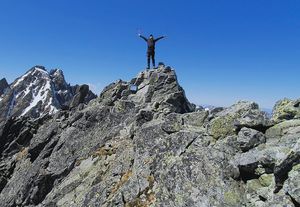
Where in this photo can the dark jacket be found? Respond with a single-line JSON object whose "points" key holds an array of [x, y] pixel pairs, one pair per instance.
{"points": [[151, 43]]}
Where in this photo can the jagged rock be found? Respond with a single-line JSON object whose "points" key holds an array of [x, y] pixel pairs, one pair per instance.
{"points": [[242, 114], [286, 109], [4, 107], [153, 86], [63, 91], [195, 119], [259, 193], [254, 119], [285, 165], [148, 147], [80, 95], [277, 131], [250, 138], [84, 90], [58, 80], [3, 86], [291, 186], [113, 92], [173, 123], [274, 159], [252, 164], [161, 86]]}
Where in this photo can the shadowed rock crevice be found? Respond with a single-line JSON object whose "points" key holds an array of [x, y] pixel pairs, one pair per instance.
{"points": [[44, 183], [187, 146], [296, 204], [262, 198], [17, 134], [6, 171], [281, 171], [35, 151], [260, 128], [248, 173]]}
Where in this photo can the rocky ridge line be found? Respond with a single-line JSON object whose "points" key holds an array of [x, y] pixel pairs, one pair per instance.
{"points": [[141, 143]]}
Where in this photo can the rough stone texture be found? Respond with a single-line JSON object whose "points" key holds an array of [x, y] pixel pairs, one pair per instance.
{"points": [[81, 93], [242, 114], [250, 138], [3, 86], [140, 143], [270, 168], [286, 109], [277, 131], [291, 186]]}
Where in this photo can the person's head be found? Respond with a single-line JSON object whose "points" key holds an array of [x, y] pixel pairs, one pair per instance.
{"points": [[151, 36]]}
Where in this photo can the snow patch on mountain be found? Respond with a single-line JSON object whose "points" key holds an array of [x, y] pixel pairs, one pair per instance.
{"points": [[27, 90], [42, 96], [21, 79], [36, 93]]}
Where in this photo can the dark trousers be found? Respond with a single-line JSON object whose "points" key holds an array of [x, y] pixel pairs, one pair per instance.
{"points": [[150, 55]]}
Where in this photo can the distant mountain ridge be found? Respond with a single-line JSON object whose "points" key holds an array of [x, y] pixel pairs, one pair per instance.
{"points": [[36, 93]]}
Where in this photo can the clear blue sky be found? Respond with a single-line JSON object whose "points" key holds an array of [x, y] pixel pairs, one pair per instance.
{"points": [[222, 50]]}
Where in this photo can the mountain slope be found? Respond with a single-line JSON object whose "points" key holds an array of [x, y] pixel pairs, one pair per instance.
{"points": [[36, 93], [141, 143]]}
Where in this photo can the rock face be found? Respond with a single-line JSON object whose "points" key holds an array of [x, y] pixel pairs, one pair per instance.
{"points": [[36, 93], [82, 95], [286, 109], [3, 86], [141, 143]]}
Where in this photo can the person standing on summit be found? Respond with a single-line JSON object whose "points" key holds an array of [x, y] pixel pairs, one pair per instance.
{"points": [[151, 48]]}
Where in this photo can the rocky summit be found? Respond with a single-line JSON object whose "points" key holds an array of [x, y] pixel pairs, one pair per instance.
{"points": [[142, 143]]}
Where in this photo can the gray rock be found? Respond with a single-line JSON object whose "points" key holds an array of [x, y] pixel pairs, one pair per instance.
{"points": [[250, 138], [284, 166], [229, 121], [279, 130], [286, 109], [148, 148], [292, 185], [80, 95], [3, 86]]}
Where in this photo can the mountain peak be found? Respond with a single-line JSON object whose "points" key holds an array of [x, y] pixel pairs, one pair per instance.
{"points": [[36, 93], [40, 67], [157, 87], [56, 72]]}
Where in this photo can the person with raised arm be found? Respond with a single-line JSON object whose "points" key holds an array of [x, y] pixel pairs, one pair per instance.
{"points": [[151, 48]]}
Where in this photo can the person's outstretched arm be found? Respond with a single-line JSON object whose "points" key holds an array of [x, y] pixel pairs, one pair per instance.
{"points": [[159, 38], [141, 36]]}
